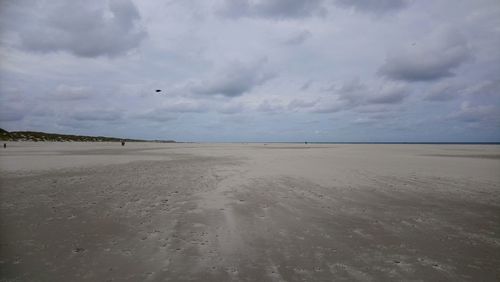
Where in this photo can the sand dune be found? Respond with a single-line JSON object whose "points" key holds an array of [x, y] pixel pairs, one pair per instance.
{"points": [[249, 212]]}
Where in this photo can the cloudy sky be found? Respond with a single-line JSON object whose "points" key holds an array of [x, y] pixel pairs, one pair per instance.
{"points": [[253, 70]]}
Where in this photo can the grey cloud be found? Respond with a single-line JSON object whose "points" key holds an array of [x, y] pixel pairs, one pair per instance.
{"points": [[272, 9], [83, 28], [158, 115], [448, 90], [374, 6], [96, 115], [301, 104], [231, 108], [184, 107], [352, 92], [238, 119], [341, 98], [327, 106], [74, 124], [70, 93], [12, 94], [289, 9], [306, 85], [234, 80], [388, 94], [443, 91], [373, 109], [475, 113], [167, 111], [270, 106], [14, 106], [365, 121], [43, 112], [10, 115], [355, 93], [298, 38], [428, 62], [487, 88]]}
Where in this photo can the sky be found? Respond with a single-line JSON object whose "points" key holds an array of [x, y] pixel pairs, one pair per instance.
{"points": [[253, 70]]}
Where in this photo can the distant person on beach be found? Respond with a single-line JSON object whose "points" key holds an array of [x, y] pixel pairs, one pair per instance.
{"points": [[4, 145], [123, 143]]}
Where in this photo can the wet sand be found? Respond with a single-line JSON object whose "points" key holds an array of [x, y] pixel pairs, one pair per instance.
{"points": [[249, 212]]}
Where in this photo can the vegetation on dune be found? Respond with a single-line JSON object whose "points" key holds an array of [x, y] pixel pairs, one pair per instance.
{"points": [[42, 136]]}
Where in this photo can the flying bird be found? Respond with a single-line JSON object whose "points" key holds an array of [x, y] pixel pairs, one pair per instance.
{"points": [[158, 90]]}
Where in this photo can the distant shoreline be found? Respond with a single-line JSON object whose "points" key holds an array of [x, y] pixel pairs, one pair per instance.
{"points": [[36, 136]]}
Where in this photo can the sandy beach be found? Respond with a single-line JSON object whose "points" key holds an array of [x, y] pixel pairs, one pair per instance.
{"points": [[249, 212]]}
